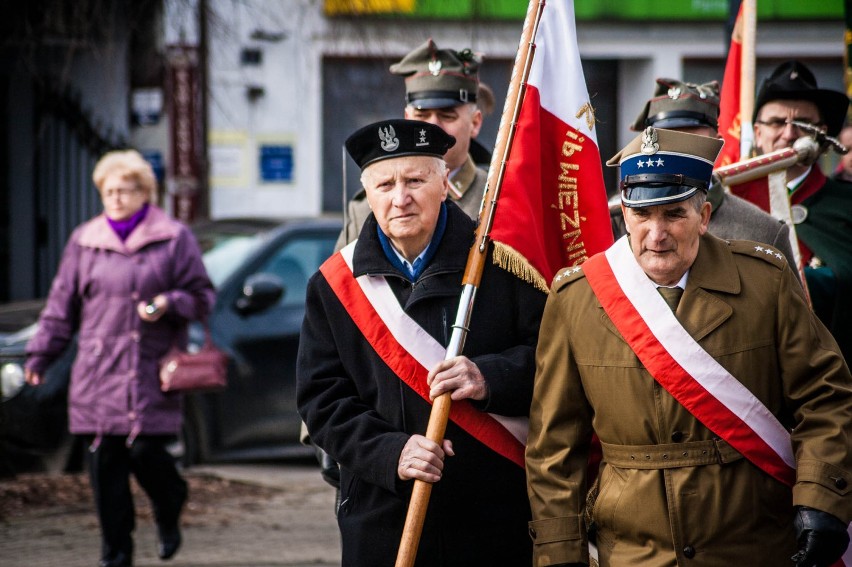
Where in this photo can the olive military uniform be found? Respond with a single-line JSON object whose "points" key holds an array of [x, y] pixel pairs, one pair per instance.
{"points": [[671, 490], [747, 310]]}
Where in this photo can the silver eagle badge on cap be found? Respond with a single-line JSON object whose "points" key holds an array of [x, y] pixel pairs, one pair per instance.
{"points": [[388, 137], [649, 141], [435, 67]]}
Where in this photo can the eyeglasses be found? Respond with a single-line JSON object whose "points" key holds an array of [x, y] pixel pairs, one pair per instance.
{"points": [[122, 192], [800, 124]]}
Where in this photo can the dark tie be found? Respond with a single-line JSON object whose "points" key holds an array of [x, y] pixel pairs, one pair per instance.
{"points": [[671, 295]]}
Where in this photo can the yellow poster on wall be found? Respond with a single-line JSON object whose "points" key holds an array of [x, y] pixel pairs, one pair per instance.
{"points": [[340, 7]]}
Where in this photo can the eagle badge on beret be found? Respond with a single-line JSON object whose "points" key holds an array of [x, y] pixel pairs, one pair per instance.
{"points": [[388, 137]]}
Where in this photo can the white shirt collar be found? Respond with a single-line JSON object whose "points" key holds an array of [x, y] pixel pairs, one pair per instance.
{"points": [[681, 283], [408, 265], [791, 185]]}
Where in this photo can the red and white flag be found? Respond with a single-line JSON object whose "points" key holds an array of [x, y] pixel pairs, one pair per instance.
{"points": [[552, 208], [730, 120]]}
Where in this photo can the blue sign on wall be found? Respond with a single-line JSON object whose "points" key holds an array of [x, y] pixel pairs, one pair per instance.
{"points": [[155, 158], [276, 164]]}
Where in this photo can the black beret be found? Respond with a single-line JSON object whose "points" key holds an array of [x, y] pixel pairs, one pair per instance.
{"points": [[397, 138]]}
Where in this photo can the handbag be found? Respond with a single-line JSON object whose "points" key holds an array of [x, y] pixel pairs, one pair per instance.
{"points": [[204, 370]]}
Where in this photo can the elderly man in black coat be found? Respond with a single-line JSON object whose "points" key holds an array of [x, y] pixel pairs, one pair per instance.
{"points": [[378, 320]]}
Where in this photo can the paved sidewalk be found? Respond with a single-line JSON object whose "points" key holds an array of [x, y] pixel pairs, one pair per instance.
{"points": [[286, 520]]}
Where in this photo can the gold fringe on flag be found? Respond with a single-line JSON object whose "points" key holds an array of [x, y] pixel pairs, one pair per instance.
{"points": [[515, 263]]}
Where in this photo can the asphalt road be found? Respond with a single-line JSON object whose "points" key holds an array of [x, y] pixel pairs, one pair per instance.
{"points": [[271, 515]]}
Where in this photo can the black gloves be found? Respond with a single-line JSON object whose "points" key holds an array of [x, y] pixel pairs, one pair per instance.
{"points": [[822, 537]]}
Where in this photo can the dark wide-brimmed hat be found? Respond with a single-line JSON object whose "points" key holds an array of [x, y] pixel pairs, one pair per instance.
{"points": [[662, 166], [397, 138], [439, 78], [791, 80], [676, 104]]}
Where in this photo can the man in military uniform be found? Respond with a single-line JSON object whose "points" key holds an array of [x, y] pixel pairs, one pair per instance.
{"points": [[441, 87], [822, 207], [694, 109], [378, 319], [723, 405]]}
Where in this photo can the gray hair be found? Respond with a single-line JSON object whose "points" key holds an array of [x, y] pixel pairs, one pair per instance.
{"points": [[697, 201], [440, 166]]}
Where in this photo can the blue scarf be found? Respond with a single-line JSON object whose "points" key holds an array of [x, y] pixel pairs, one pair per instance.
{"points": [[123, 228], [423, 261]]}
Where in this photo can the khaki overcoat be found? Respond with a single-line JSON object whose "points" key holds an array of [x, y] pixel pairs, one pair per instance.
{"points": [[744, 306]]}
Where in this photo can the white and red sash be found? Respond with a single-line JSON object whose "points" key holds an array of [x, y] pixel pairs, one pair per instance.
{"points": [[410, 352], [693, 377], [675, 360]]}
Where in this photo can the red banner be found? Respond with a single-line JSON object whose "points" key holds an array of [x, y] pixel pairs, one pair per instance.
{"points": [[552, 208], [730, 120]]}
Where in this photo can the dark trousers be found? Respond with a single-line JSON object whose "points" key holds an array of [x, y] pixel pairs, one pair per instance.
{"points": [[110, 463]]}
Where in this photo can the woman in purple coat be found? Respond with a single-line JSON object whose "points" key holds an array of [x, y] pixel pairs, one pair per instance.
{"points": [[129, 281]]}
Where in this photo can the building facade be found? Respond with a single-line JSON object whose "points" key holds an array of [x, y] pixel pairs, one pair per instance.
{"points": [[243, 105], [289, 81]]}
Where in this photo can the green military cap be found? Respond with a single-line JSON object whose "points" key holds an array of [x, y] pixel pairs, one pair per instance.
{"points": [[676, 104], [439, 78], [661, 166]]}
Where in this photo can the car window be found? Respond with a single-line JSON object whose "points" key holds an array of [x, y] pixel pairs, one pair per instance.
{"points": [[296, 261], [226, 254]]}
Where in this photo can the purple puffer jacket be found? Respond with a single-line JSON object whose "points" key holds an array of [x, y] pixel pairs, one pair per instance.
{"points": [[115, 388]]}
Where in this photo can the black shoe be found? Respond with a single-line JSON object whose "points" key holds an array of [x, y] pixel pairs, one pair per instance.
{"points": [[117, 560], [170, 541]]}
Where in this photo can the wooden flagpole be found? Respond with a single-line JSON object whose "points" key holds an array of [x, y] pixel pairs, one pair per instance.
{"points": [[440, 413], [779, 197], [747, 70]]}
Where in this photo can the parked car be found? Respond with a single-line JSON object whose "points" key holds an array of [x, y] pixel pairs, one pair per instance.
{"points": [[260, 268], [33, 421]]}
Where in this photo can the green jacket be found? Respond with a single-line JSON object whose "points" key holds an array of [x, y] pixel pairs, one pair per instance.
{"points": [[747, 310], [826, 232]]}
